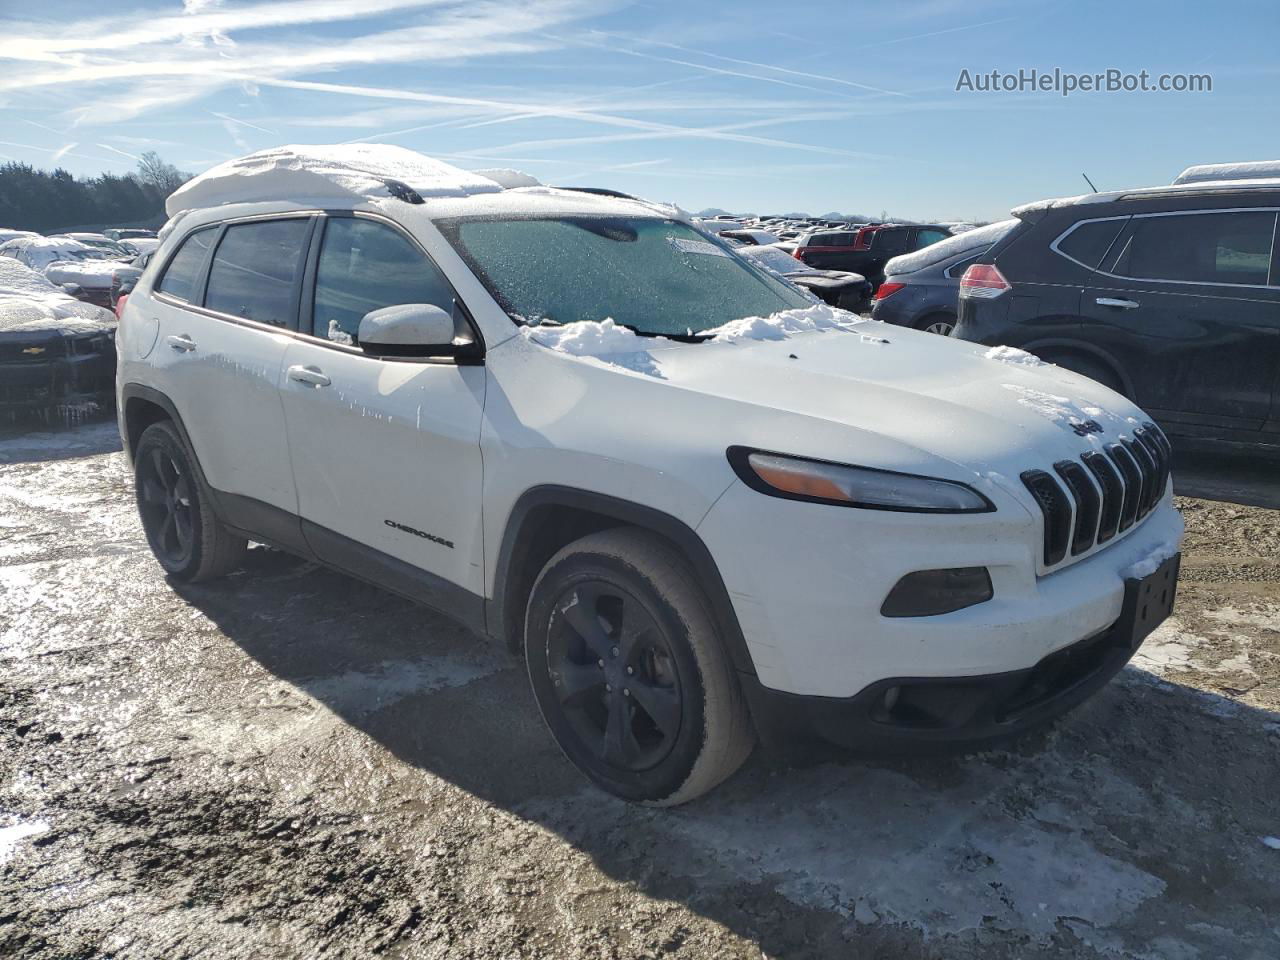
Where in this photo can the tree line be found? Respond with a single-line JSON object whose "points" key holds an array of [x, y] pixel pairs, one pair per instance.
{"points": [[51, 200]]}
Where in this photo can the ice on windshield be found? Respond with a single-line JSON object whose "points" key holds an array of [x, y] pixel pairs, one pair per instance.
{"points": [[653, 275]]}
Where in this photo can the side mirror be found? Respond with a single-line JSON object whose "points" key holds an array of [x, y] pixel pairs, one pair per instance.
{"points": [[407, 330]]}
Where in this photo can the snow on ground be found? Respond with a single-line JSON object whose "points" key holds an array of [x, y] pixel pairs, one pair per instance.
{"points": [[325, 171], [11, 836]]}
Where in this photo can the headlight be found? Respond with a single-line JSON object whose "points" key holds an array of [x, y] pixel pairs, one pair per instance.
{"points": [[817, 481]]}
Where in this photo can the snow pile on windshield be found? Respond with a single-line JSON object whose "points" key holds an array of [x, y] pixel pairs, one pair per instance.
{"points": [[784, 324], [1015, 356], [603, 340], [343, 171]]}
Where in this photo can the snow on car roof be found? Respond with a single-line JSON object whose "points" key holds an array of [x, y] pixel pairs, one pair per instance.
{"points": [[1252, 170], [344, 171], [1192, 186], [53, 244]]}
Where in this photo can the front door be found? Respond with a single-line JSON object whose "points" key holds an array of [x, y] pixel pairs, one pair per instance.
{"points": [[385, 452], [1184, 304]]}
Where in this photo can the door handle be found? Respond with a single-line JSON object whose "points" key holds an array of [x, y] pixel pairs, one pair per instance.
{"points": [[1120, 304], [183, 343], [312, 376]]}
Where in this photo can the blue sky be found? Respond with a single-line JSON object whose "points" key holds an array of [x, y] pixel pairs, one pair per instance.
{"points": [[747, 105]]}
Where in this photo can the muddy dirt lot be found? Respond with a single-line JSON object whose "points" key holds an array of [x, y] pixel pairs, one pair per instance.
{"points": [[290, 764]]}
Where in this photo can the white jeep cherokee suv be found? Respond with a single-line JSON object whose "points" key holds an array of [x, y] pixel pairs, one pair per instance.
{"points": [[703, 506]]}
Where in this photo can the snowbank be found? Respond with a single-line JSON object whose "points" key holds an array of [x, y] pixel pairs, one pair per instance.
{"points": [[1015, 356], [342, 171], [786, 324], [602, 340]]}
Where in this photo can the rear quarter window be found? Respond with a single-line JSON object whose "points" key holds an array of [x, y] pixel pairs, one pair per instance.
{"points": [[1088, 242]]}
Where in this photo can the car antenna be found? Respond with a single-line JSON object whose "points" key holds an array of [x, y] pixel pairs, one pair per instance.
{"points": [[1089, 182]]}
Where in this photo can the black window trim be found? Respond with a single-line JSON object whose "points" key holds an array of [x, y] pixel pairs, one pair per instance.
{"points": [[306, 304], [202, 272], [1125, 232], [293, 329], [290, 324]]}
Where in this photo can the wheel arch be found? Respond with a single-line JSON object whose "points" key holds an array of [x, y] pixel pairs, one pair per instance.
{"points": [[1062, 346], [546, 518], [141, 407]]}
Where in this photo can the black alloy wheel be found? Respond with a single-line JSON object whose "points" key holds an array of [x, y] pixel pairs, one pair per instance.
{"points": [[614, 675], [165, 502]]}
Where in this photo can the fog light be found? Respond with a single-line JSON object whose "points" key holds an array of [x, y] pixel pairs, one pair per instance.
{"points": [[928, 593]]}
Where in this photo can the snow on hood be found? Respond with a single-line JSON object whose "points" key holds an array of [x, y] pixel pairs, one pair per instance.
{"points": [[604, 340], [86, 273], [785, 324], [1014, 355], [620, 346], [29, 302], [342, 171]]}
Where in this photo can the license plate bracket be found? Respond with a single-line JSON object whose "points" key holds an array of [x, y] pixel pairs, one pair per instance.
{"points": [[1147, 602]]}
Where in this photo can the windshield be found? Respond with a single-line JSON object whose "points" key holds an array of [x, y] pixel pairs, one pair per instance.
{"points": [[656, 276]]}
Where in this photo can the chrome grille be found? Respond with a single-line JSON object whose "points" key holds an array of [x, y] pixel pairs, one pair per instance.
{"points": [[1087, 502]]}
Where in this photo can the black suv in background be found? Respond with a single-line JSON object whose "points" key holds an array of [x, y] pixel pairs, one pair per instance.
{"points": [[1168, 295], [867, 248]]}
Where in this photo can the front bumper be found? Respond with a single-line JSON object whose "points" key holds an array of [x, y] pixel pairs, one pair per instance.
{"points": [[935, 714], [807, 582], [65, 380]]}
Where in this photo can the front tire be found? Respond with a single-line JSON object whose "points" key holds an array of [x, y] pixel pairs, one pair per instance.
{"points": [[175, 506], [629, 672]]}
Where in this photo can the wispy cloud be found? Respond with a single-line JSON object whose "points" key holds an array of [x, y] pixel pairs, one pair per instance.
{"points": [[107, 146], [61, 152], [938, 33]]}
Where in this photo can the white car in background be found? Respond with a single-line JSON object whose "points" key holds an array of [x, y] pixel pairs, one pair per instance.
{"points": [[701, 505]]}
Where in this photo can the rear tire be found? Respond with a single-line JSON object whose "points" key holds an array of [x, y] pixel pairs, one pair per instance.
{"points": [[629, 672], [943, 324], [176, 508]]}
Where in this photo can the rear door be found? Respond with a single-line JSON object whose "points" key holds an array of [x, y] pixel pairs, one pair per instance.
{"points": [[385, 451], [1185, 301], [221, 311]]}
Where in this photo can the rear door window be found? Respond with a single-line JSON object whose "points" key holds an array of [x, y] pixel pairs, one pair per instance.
{"points": [[366, 265], [1228, 247], [255, 270], [182, 277]]}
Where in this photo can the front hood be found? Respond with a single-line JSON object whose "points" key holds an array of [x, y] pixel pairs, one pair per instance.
{"points": [[897, 398]]}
